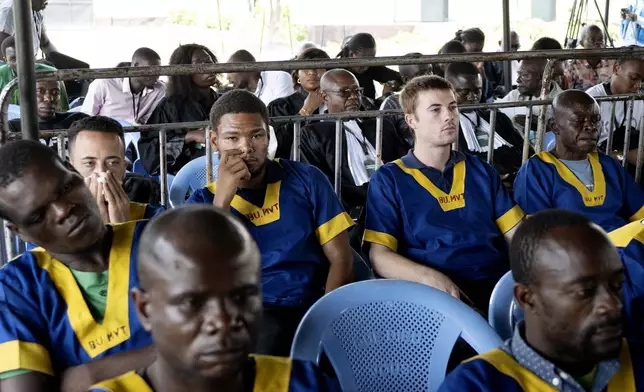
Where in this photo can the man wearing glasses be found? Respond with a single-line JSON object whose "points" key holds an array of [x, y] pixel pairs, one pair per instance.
{"points": [[342, 93], [583, 74]]}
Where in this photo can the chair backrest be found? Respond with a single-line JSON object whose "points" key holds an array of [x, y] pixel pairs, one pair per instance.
{"points": [[503, 312], [191, 177], [137, 167], [389, 335]]}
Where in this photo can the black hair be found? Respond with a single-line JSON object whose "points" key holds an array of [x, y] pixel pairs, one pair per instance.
{"points": [[242, 56], [217, 226], [145, 54], [124, 64], [529, 236], [181, 86], [9, 42], [457, 69], [16, 157], [473, 35], [94, 124], [452, 47], [308, 54], [409, 71], [546, 43], [237, 101], [357, 43]]}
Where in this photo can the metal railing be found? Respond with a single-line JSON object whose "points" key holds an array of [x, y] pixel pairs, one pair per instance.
{"points": [[551, 56]]}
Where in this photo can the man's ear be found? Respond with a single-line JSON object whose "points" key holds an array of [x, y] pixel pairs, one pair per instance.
{"points": [[142, 306], [525, 297], [213, 139], [325, 97], [410, 120], [16, 230], [552, 126]]}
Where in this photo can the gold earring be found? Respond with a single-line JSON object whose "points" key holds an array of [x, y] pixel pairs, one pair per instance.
{"points": [[299, 81]]}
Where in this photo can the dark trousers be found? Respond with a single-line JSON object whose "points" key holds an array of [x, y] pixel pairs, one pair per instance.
{"points": [[277, 329]]}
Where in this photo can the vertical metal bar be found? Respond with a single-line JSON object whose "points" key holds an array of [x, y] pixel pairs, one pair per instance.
{"points": [[163, 167], [23, 18], [490, 142], [295, 149], [337, 172], [605, 21], [208, 156], [5, 100], [526, 135], [640, 153], [627, 133], [545, 92], [379, 125], [9, 243], [60, 141], [507, 65], [611, 129]]}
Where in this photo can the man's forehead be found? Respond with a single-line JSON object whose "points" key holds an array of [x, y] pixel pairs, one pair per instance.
{"points": [[47, 84], [345, 80]]}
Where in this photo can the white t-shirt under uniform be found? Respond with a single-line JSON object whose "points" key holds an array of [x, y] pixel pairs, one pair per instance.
{"points": [[621, 111]]}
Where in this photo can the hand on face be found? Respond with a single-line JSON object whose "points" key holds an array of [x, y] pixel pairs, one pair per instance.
{"points": [[232, 172], [112, 200]]}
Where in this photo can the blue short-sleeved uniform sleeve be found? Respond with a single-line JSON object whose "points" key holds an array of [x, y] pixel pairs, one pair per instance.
{"points": [[633, 196], [328, 213], [383, 222], [478, 376], [506, 212], [531, 188], [23, 332], [201, 196], [306, 376], [153, 210]]}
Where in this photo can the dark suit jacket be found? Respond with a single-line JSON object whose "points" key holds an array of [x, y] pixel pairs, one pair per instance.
{"points": [[507, 160], [318, 149]]}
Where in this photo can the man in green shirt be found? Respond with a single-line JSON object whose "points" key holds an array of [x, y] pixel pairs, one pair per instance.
{"points": [[9, 71]]}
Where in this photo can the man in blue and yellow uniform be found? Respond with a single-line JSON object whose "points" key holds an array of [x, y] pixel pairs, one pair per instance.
{"points": [[437, 216], [569, 283], [574, 176], [629, 241], [97, 151], [64, 307], [290, 210], [200, 298]]}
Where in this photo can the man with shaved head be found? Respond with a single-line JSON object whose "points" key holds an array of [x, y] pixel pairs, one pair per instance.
{"points": [[529, 83], [569, 283], [583, 74], [200, 298], [342, 93], [266, 85], [574, 176]]}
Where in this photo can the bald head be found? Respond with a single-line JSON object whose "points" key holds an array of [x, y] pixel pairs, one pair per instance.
{"points": [[592, 37], [194, 237], [571, 99], [340, 91], [576, 123]]}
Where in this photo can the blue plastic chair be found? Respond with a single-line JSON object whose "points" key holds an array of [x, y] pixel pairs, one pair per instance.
{"points": [[503, 312], [137, 167], [389, 335], [190, 178]]}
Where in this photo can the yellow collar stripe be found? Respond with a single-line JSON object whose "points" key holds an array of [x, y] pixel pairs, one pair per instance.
{"points": [[505, 364], [137, 211], [384, 239], [129, 382], [591, 199], [448, 202], [639, 215], [259, 216], [624, 235], [624, 380], [17, 354], [115, 329], [272, 374], [333, 227]]}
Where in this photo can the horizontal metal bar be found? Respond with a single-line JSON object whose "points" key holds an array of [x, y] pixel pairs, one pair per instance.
{"points": [[189, 69]]}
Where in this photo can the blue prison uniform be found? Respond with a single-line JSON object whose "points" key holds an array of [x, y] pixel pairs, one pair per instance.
{"points": [[271, 374], [140, 211], [499, 371], [45, 323], [452, 221], [290, 218], [544, 182]]}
